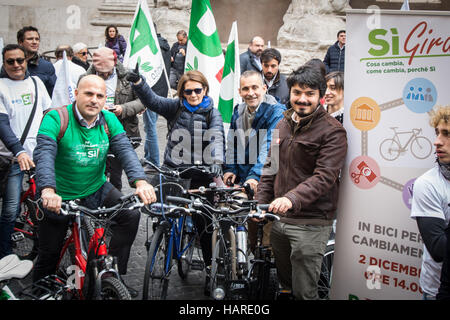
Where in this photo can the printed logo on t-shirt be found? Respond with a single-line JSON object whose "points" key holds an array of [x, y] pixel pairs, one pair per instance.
{"points": [[26, 99]]}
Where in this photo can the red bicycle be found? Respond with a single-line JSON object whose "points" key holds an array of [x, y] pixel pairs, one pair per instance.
{"points": [[25, 236], [90, 272]]}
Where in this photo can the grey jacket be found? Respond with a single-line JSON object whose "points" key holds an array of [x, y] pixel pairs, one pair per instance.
{"points": [[126, 97]]}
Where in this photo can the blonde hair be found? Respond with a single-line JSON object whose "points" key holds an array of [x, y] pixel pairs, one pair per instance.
{"points": [[438, 114]]}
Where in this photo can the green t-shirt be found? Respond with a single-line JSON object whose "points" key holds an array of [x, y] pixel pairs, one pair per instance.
{"points": [[81, 158]]}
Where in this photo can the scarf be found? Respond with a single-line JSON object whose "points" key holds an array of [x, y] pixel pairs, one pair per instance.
{"points": [[445, 169], [204, 104]]}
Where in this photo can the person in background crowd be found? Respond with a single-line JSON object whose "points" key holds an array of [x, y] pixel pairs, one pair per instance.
{"points": [[115, 41], [80, 55], [18, 92], [120, 99], [300, 181], [161, 88], [75, 71], [29, 38], [178, 58], [334, 96], [430, 206], [251, 59], [273, 79], [335, 58]]}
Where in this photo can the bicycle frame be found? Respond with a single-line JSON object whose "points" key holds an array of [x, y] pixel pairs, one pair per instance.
{"points": [[29, 193], [97, 248]]}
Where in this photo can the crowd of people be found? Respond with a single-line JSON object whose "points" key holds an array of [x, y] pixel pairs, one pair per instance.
{"points": [[286, 140]]}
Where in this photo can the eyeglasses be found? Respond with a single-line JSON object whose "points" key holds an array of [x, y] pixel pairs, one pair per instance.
{"points": [[188, 92], [84, 53], [12, 61]]}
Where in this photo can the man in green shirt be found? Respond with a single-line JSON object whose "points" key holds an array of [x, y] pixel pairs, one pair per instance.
{"points": [[73, 166]]}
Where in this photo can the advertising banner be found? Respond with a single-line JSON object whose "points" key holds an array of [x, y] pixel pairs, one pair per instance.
{"points": [[396, 69]]}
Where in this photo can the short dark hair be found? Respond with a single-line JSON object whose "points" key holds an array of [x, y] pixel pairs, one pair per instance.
{"points": [[317, 63], [339, 32], [21, 33], [269, 54], [308, 76], [338, 77], [10, 47], [61, 48]]}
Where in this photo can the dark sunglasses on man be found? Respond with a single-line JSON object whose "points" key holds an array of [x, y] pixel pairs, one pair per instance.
{"points": [[84, 53], [188, 92], [12, 61]]}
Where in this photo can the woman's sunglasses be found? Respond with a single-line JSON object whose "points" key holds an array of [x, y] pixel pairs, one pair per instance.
{"points": [[188, 92], [18, 60]]}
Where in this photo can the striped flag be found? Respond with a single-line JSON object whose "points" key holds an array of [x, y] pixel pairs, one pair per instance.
{"points": [[204, 51], [143, 46], [64, 90], [229, 89]]}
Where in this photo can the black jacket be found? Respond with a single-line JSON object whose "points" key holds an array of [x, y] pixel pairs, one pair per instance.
{"points": [[248, 63], [335, 58], [193, 123], [280, 89]]}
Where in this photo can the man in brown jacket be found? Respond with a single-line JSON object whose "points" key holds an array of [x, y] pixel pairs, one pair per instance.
{"points": [[303, 188]]}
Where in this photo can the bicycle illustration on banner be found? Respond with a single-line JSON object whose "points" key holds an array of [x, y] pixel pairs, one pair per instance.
{"points": [[419, 96]]}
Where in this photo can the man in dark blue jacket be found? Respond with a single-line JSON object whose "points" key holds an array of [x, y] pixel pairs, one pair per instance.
{"points": [[335, 58], [250, 135], [29, 38], [251, 59], [273, 79]]}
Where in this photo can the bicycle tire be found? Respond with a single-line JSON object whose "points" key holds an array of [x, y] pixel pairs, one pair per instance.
{"points": [[326, 273], [423, 145], [114, 289], [26, 224], [390, 149], [220, 268], [185, 261], [156, 281], [271, 289]]}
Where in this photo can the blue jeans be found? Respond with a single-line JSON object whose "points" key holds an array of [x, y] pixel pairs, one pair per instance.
{"points": [[10, 208], [151, 149]]}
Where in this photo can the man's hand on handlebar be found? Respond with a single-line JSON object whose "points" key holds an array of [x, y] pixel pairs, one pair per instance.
{"points": [[145, 191], [50, 200], [216, 170]]}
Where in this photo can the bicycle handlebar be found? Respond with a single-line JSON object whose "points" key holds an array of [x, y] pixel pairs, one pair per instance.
{"points": [[176, 172], [71, 207]]}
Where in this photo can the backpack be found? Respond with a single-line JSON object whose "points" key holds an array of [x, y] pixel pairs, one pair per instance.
{"points": [[64, 116]]}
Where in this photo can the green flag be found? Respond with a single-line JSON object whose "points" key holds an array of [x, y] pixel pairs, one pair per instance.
{"points": [[204, 51], [143, 46], [229, 89]]}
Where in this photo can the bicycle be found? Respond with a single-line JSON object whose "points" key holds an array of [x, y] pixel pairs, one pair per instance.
{"points": [[421, 147], [25, 236], [84, 263], [12, 268], [173, 236]]}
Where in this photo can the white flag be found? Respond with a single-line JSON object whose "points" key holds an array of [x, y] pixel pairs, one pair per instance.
{"points": [[229, 89], [64, 90], [204, 51], [405, 6], [143, 46]]}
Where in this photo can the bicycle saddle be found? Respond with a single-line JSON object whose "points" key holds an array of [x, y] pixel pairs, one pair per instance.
{"points": [[12, 267]]}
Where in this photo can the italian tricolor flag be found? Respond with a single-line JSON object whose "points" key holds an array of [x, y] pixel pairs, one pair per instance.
{"points": [[204, 52], [229, 90]]}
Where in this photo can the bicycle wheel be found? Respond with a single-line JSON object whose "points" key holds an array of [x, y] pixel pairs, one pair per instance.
{"points": [[156, 280], [220, 270], [25, 236], [326, 273], [421, 147], [390, 149], [271, 288], [114, 289], [185, 261]]}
